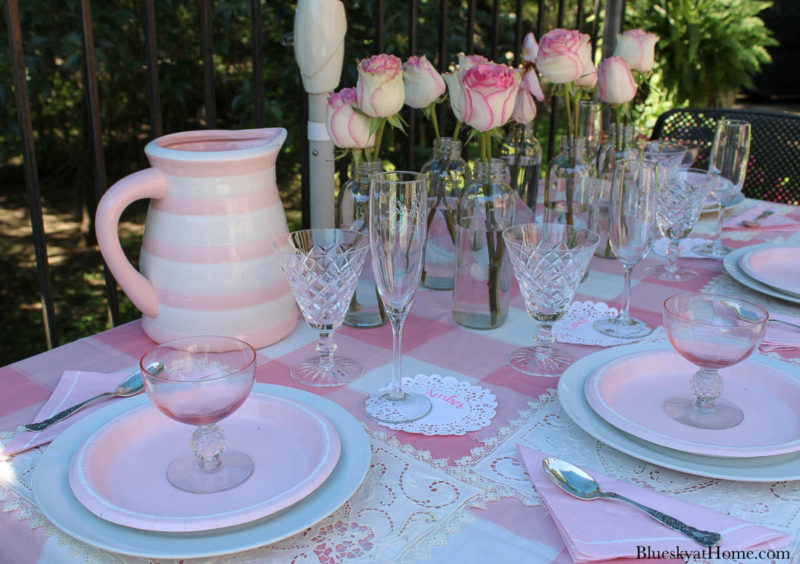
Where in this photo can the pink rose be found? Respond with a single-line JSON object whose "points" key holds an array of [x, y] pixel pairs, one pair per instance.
{"points": [[490, 92], [455, 93], [423, 84], [380, 87], [563, 56], [637, 47], [348, 128], [524, 108], [530, 82], [530, 48], [615, 85], [467, 61]]}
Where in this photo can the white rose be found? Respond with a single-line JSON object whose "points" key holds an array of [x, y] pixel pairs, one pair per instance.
{"points": [[423, 84], [380, 89], [637, 47], [615, 84], [347, 128]]}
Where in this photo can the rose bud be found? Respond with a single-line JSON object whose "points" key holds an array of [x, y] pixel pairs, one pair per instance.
{"points": [[615, 83], [347, 128], [637, 47], [380, 89], [563, 55], [530, 48], [490, 92], [530, 82], [423, 84]]}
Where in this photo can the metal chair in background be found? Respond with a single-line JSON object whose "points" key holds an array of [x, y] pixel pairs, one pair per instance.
{"points": [[773, 172]]}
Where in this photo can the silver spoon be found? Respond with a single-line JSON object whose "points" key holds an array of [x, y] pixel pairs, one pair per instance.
{"points": [[754, 222], [748, 315], [578, 483], [131, 386]]}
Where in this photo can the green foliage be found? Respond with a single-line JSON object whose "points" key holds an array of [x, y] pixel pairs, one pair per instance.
{"points": [[709, 49]]}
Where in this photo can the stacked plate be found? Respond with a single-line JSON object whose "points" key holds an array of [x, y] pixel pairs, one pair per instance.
{"points": [[617, 395], [104, 482], [770, 268]]}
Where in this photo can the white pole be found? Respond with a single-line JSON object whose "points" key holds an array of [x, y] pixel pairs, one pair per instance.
{"points": [[321, 164]]}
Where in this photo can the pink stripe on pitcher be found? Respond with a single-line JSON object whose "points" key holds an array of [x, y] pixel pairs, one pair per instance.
{"points": [[257, 339], [217, 206], [212, 169], [207, 255], [256, 297]]}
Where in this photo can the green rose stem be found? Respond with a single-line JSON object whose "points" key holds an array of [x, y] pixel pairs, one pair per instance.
{"points": [[434, 120], [494, 244], [571, 134], [378, 138]]}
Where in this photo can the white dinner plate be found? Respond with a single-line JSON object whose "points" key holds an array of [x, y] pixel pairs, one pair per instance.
{"points": [[777, 266], [731, 264], [55, 498], [629, 393], [573, 400], [120, 472]]}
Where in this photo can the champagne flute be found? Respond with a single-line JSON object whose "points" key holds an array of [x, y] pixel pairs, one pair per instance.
{"points": [[632, 222], [729, 155], [397, 220]]}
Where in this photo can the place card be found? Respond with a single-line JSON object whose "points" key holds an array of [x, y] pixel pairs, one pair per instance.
{"points": [[457, 406]]}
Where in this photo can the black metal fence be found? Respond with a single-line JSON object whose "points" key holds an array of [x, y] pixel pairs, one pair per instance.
{"points": [[587, 16]]}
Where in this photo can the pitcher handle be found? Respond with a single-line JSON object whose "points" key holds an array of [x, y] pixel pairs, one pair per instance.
{"points": [[148, 183]]}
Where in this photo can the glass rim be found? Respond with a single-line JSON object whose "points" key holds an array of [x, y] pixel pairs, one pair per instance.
{"points": [[507, 233], [673, 145], [763, 313], [737, 122], [403, 176], [286, 238], [166, 344]]}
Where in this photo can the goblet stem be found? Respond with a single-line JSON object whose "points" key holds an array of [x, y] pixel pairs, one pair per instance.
{"points": [[624, 315], [544, 340], [395, 387], [706, 385], [672, 252], [208, 442], [717, 236], [326, 347]]}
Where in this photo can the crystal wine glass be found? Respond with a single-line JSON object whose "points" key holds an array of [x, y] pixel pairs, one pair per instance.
{"points": [[729, 155], [712, 332], [549, 261], [630, 234], [322, 267], [679, 203], [203, 380], [397, 214]]}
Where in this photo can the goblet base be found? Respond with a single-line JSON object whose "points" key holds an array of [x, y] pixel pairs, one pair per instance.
{"points": [[710, 250], [722, 415], [311, 372], [529, 360], [185, 473], [680, 274], [623, 329], [389, 406]]}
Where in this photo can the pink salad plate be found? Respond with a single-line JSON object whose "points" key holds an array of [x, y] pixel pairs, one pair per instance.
{"points": [[119, 473], [777, 266], [629, 393]]}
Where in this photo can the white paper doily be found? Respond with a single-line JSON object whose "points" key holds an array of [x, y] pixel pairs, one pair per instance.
{"points": [[575, 326], [458, 406]]}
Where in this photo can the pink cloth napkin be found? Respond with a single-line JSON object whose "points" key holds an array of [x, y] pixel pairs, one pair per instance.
{"points": [[779, 336], [774, 222], [74, 387], [607, 529]]}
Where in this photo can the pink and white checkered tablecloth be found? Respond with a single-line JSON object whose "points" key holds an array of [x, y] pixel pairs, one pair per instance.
{"points": [[450, 499]]}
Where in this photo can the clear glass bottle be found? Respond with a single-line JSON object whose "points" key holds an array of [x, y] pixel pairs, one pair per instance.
{"points": [[590, 125], [570, 187], [523, 155], [621, 144], [366, 308], [483, 273], [447, 175]]}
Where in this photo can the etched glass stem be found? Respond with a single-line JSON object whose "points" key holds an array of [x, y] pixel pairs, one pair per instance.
{"points": [[326, 347], [395, 387], [544, 339], [706, 385], [625, 315], [208, 442], [672, 252], [717, 235]]}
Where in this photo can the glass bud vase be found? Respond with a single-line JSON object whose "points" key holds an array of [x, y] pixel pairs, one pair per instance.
{"points": [[366, 308], [483, 274], [620, 145], [570, 188], [447, 175], [522, 153]]}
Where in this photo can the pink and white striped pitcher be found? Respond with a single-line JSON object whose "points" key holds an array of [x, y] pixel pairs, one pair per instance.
{"points": [[207, 263]]}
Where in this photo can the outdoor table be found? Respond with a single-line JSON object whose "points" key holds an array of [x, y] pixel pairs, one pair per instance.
{"points": [[444, 498]]}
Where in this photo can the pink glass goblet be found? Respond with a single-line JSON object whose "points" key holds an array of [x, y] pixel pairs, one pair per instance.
{"points": [[711, 332], [200, 381]]}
